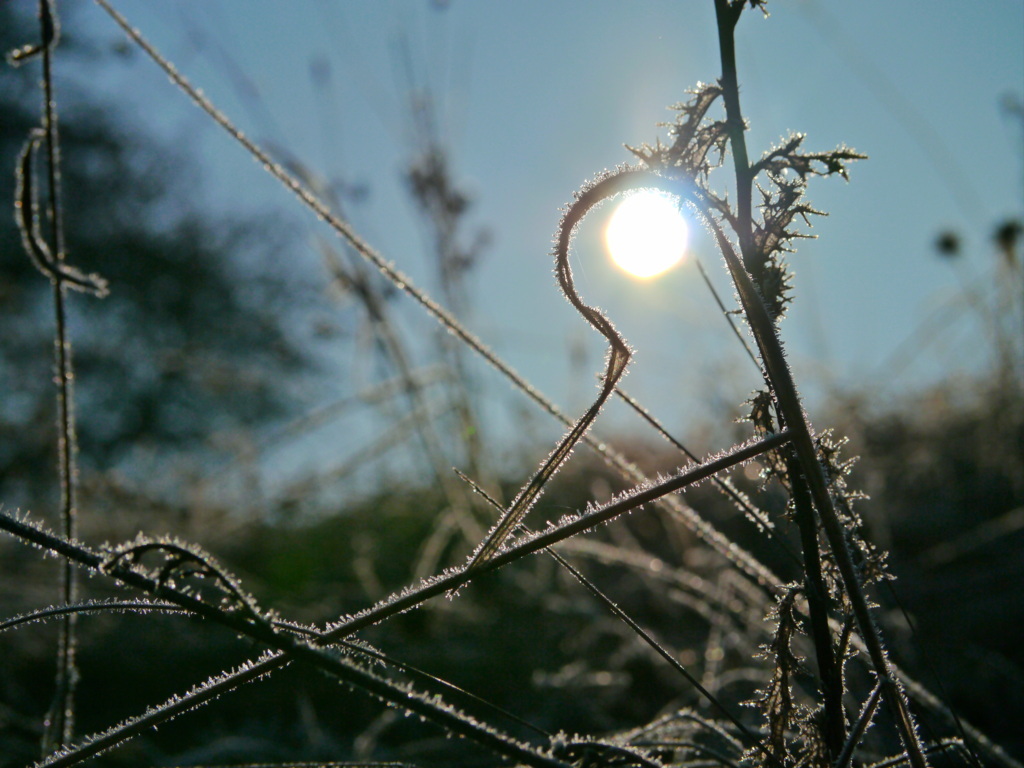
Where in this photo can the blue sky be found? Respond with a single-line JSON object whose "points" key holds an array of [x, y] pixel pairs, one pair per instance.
{"points": [[534, 98]]}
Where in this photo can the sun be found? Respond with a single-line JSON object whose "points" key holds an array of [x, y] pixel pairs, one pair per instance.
{"points": [[647, 234]]}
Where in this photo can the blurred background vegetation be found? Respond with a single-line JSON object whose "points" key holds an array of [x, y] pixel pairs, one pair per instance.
{"points": [[205, 356]]}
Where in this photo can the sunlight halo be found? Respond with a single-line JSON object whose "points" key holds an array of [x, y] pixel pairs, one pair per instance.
{"points": [[646, 234]]}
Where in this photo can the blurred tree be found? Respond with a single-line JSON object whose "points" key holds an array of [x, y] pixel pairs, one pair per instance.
{"points": [[194, 338]]}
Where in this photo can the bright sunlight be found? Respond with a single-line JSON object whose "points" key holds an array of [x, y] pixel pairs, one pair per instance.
{"points": [[647, 234]]}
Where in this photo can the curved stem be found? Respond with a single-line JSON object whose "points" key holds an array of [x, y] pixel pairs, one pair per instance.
{"points": [[618, 360]]}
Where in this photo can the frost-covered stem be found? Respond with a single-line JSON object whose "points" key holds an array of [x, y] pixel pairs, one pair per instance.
{"points": [[727, 13], [829, 670], [783, 387], [791, 412], [617, 362], [59, 723]]}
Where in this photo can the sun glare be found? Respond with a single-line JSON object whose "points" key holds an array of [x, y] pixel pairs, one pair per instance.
{"points": [[647, 234]]}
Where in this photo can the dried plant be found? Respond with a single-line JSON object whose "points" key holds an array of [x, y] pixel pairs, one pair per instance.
{"points": [[811, 636]]}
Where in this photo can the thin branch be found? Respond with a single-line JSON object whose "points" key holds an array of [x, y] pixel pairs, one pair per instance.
{"points": [[724, 484], [726, 313], [89, 606], [859, 728]]}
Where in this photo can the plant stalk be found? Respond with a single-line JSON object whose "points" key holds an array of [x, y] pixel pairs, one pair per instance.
{"points": [[727, 14], [787, 399], [59, 722], [829, 669]]}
